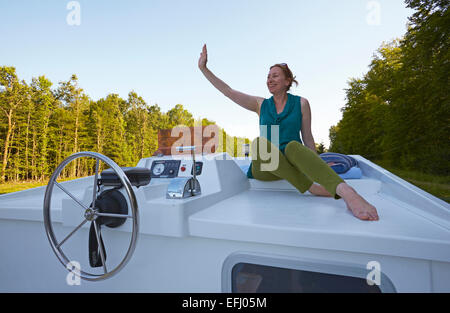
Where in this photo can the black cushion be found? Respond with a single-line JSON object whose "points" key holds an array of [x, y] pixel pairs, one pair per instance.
{"points": [[138, 176]]}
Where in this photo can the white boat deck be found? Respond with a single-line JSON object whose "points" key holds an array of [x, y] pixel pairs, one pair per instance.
{"points": [[276, 213], [28, 204], [324, 223]]}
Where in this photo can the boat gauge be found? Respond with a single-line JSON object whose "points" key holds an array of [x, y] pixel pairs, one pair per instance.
{"points": [[158, 169]]}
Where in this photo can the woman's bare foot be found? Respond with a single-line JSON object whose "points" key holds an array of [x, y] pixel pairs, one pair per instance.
{"points": [[319, 190], [357, 204]]}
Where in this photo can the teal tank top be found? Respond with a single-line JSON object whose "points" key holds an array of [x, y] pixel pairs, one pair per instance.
{"points": [[289, 121]]}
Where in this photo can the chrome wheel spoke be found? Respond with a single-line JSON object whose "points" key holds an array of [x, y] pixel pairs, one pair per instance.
{"points": [[113, 215], [94, 196], [100, 247], [71, 233], [70, 195]]}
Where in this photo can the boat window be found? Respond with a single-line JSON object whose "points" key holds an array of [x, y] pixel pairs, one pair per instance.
{"points": [[256, 278]]}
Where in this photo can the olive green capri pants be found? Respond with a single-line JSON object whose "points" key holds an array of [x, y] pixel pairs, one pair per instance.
{"points": [[299, 165]]}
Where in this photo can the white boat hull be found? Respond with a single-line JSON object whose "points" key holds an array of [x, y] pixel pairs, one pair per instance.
{"points": [[193, 245]]}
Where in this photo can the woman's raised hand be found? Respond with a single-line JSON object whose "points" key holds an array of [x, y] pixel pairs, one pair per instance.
{"points": [[246, 101], [203, 58]]}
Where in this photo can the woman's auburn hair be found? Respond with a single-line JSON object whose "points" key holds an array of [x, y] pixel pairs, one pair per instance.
{"points": [[287, 73]]}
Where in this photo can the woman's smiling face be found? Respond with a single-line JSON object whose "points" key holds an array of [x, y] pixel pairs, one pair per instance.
{"points": [[277, 81]]}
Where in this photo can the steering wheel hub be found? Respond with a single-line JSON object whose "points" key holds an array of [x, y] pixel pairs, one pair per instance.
{"points": [[89, 214]]}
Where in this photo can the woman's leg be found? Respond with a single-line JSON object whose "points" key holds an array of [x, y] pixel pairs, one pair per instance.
{"points": [[280, 168], [285, 170], [317, 170], [313, 166]]}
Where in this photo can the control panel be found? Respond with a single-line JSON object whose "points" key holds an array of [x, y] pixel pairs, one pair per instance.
{"points": [[174, 168], [165, 168]]}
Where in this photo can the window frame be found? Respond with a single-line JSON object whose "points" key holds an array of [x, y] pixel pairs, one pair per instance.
{"points": [[302, 264]]}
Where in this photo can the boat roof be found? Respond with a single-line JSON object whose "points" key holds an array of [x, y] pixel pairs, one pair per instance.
{"points": [[281, 218], [412, 222]]}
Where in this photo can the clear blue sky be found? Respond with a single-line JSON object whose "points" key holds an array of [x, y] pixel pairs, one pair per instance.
{"points": [[152, 47]]}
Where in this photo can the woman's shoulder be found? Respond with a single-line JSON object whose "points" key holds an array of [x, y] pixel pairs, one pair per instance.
{"points": [[295, 97], [303, 102], [260, 101], [299, 99]]}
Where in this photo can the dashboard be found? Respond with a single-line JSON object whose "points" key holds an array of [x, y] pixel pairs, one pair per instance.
{"points": [[174, 168]]}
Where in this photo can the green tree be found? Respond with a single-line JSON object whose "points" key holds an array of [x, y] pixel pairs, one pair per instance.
{"points": [[13, 94], [75, 102], [179, 116], [320, 148], [399, 111], [41, 126], [113, 131], [44, 105]]}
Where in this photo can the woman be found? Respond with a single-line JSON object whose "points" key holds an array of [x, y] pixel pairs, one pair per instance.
{"points": [[299, 165]]}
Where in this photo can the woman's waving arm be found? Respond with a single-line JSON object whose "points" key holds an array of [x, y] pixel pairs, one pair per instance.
{"points": [[248, 102]]}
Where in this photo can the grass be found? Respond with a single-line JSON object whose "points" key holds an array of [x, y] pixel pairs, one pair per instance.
{"points": [[23, 185]]}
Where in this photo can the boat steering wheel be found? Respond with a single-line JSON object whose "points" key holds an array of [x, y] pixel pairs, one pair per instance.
{"points": [[91, 213]]}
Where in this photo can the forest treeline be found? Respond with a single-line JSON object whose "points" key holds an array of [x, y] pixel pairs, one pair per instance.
{"points": [[40, 126], [399, 112]]}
